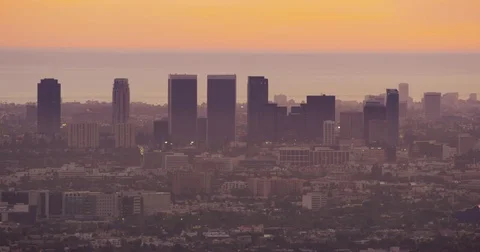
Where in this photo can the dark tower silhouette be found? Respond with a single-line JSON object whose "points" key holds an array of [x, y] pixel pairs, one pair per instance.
{"points": [[221, 105], [182, 108], [392, 116], [393, 124], [268, 122], [257, 98], [319, 108], [351, 125], [372, 110], [49, 106], [120, 101], [160, 133]]}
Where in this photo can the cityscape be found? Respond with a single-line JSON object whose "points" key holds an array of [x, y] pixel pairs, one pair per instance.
{"points": [[384, 174], [239, 126]]}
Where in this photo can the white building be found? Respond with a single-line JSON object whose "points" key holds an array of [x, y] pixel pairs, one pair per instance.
{"points": [[294, 156], [329, 133], [156, 202], [314, 200], [176, 161], [83, 135], [327, 156], [227, 187], [124, 135]]}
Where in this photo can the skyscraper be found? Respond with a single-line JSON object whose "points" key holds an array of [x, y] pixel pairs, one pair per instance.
{"points": [[432, 102], [257, 97], [351, 125], [268, 122], [319, 108], [403, 90], [182, 108], [392, 116], [160, 133], [120, 101], [221, 105], [372, 110], [329, 133], [49, 106]]}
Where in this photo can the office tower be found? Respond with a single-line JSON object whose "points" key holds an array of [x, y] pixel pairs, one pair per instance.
{"points": [[221, 105], [124, 135], [403, 91], [450, 100], [49, 106], [403, 109], [280, 99], [329, 133], [378, 132], [472, 97], [376, 98], [392, 116], [351, 125], [201, 134], [281, 123], [83, 135], [268, 122], [120, 101], [318, 109], [257, 97], [295, 124], [160, 133], [182, 108], [31, 113], [432, 105], [466, 142], [372, 110]]}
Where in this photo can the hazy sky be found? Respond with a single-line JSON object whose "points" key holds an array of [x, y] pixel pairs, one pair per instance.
{"points": [[294, 25]]}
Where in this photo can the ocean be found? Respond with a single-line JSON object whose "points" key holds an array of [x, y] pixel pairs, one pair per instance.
{"points": [[88, 75]]}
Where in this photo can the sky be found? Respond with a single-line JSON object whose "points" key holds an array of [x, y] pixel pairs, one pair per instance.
{"points": [[243, 25]]}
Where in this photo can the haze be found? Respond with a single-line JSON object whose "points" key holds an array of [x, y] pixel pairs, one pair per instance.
{"points": [[247, 25]]}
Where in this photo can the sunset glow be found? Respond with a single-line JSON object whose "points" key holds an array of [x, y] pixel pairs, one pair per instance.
{"points": [[302, 25]]}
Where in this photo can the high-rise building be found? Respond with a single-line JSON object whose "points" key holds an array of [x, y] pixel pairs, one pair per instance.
{"points": [[257, 97], [319, 108], [160, 133], [351, 125], [221, 105], [393, 117], [329, 133], [83, 135], [120, 101], [268, 123], [281, 123], [472, 97], [280, 99], [372, 110], [377, 132], [49, 102], [403, 91], [124, 135], [432, 105], [182, 108]]}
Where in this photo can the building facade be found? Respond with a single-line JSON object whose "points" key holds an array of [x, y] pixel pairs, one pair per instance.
{"points": [[182, 108], [120, 101], [83, 135], [49, 102]]}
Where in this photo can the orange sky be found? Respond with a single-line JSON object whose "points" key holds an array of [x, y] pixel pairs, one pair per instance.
{"points": [[293, 25]]}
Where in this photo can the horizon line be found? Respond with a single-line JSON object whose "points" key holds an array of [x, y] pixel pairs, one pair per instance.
{"points": [[231, 51]]}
